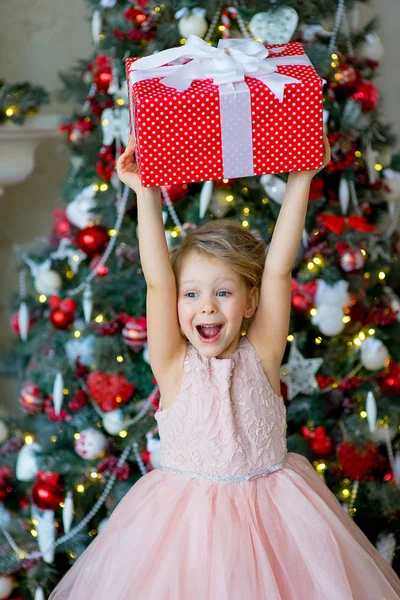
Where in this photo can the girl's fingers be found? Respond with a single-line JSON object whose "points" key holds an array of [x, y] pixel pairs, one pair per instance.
{"points": [[131, 143]]}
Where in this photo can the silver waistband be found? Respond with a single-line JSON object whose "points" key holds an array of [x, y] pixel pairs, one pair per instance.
{"points": [[252, 475]]}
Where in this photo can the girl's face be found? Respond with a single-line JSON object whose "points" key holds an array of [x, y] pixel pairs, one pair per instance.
{"points": [[211, 293]]}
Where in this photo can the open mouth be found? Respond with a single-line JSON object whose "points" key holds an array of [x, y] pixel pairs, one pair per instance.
{"points": [[209, 334]]}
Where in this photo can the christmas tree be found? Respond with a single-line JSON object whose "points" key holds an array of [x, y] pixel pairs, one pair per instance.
{"points": [[86, 432]]}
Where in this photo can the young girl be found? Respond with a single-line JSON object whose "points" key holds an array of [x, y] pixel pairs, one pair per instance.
{"points": [[230, 515]]}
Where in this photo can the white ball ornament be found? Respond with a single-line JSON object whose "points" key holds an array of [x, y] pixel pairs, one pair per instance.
{"points": [[374, 354], [3, 431], [192, 24], [6, 586], [48, 282], [91, 444], [329, 319], [113, 421]]}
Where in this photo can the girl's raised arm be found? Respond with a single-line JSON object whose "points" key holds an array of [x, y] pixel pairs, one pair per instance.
{"points": [[164, 338], [269, 328]]}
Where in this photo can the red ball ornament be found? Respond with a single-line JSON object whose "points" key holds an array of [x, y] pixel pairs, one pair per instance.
{"points": [[390, 380], [175, 191], [101, 70], [345, 75], [109, 391], [134, 334], [102, 270], [352, 261], [92, 240], [31, 399], [367, 94], [61, 319], [47, 492], [351, 258]]}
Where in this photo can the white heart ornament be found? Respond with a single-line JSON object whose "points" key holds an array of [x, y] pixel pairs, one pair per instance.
{"points": [[274, 26]]}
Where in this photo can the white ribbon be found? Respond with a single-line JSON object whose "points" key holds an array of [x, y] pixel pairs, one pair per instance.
{"points": [[230, 62]]}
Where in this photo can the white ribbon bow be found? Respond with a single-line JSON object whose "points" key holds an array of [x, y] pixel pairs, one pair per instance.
{"points": [[230, 62]]}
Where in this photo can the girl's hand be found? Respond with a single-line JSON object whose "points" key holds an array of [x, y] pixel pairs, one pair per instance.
{"points": [[327, 159], [127, 169]]}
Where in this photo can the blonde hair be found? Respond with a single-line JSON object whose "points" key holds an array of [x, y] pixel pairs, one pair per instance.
{"points": [[229, 242]]}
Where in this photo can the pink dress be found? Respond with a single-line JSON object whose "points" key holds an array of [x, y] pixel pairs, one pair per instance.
{"points": [[230, 515]]}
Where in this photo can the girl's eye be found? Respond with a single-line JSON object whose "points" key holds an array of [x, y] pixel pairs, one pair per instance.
{"points": [[221, 292]]}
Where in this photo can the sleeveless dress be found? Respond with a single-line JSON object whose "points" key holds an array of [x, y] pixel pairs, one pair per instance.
{"points": [[230, 515]]}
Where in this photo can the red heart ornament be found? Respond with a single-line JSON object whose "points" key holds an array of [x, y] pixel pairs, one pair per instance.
{"points": [[109, 391]]}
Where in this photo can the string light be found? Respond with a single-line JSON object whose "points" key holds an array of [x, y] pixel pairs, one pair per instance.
{"points": [[363, 414], [42, 298], [29, 439], [120, 359], [123, 433], [345, 493], [229, 198], [103, 187], [77, 333], [245, 224], [313, 312], [112, 232], [10, 111], [80, 488], [381, 275], [346, 319], [290, 338], [99, 319]]}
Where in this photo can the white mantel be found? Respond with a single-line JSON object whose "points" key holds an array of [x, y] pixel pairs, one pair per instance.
{"points": [[18, 144]]}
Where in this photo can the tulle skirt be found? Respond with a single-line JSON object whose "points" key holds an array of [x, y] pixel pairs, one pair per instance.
{"points": [[280, 537]]}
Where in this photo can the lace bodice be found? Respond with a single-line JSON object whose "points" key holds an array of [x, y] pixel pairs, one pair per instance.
{"points": [[226, 420]]}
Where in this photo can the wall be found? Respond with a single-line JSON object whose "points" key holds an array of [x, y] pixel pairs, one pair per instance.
{"points": [[39, 38]]}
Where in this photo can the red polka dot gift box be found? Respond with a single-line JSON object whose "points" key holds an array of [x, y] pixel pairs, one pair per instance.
{"points": [[202, 113]]}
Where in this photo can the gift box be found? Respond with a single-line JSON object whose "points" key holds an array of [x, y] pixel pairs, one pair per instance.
{"points": [[202, 113]]}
